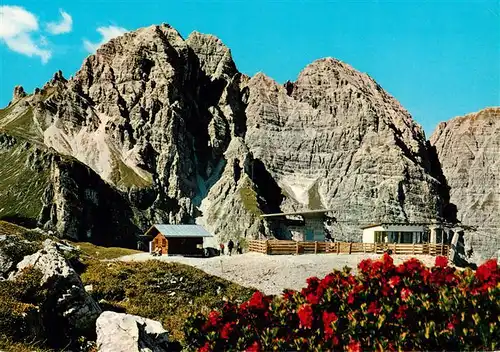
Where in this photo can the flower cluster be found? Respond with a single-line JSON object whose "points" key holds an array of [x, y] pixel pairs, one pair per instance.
{"points": [[383, 307]]}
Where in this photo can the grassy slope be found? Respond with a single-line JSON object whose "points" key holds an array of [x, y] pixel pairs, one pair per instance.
{"points": [[168, 292], [98, 252], [20, 187], [249, 197]]}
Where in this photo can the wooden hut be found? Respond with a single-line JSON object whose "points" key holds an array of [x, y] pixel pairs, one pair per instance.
{"points": [[177, 239]]}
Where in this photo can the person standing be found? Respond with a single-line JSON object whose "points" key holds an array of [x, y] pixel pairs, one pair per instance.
{"points": [[230, 246], [221, 248]]}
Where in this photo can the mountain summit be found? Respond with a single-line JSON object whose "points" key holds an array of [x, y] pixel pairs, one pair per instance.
{"points": [[156, 128]]}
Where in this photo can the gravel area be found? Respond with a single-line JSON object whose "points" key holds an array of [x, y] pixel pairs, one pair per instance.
{"points": [[271, 274]]}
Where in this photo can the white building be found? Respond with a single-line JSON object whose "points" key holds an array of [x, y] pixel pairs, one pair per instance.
{"points": [[407, 233]]}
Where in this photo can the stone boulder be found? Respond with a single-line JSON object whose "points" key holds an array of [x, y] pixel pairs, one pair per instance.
{"points": [[68, 311], [118, 332]]}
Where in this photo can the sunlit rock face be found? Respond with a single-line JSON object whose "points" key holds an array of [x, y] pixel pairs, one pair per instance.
{"points": [[469, 150], [169, 131]]}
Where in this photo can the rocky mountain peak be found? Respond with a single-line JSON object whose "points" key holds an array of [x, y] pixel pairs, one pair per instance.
{"points": [[178, 134], [19, 93], [468, 148]]}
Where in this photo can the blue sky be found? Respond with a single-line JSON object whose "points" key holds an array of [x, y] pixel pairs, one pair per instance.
{"points": [[440, 59]]}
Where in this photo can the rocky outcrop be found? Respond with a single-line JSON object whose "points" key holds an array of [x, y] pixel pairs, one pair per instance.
{"points": [[469, 148], [235, 199], [167, 130], [68, 311], [117, 332]]}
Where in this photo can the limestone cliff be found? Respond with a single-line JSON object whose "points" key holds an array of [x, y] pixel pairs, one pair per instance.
{"points": [[469, 150], [335, 139]]}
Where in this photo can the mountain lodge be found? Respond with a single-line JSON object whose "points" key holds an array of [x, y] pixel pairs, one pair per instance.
{"points": [[176, 239]]}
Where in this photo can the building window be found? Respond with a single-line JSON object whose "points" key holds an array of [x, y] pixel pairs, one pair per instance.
{"points": [[425, 237], [380, 236], [163, 242], [439, 235], [406, 237]]}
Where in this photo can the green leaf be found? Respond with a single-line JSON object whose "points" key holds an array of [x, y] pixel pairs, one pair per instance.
{"points": [[381, 320]]}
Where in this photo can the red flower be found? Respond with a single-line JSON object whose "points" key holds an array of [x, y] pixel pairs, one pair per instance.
{"points": [[486, 270], [413, 264], [401, 269], [257, 301], [377, 266], [312, 298], [450, 326], [306, 316], [373, 308], [205, 348], [354, 346], [401, 314], [328, 319], [328, 281], [313, 282], [394, 281], [441, 261], [405, 294], [255, 347], [365, 265], [226, 330], [350, 298], [335, 340], [213, 319], [386, 291]]}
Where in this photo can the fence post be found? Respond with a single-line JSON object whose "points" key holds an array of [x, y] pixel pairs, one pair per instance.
{"points": [[297, 247], [413, 249], [394, 248], [315, 247], [267, 246], [338, 247], [350, 247]]}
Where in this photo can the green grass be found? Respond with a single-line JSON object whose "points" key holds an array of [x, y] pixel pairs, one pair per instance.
{"points": [[99, 252], [249, 198], [24, 127], [21, 187], [124, 176], [314, 197], [167, 292]]}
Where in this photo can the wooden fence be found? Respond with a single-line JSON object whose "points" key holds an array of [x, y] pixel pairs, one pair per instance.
{"points": [[294, 247]]}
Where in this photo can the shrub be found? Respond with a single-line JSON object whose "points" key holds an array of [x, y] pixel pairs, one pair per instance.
{"points": [[19, 301], [384, 307]]}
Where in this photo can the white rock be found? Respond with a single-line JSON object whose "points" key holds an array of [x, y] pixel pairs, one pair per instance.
{"points": [[71, 302], [119, 332]]}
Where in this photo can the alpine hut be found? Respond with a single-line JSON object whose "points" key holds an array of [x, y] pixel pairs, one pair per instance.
{"points": [[177, 239]]}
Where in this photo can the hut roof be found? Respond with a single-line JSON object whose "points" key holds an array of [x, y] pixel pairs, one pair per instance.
{"points": [[179, 231]]}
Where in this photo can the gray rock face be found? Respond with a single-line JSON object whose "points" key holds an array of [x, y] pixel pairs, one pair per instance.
{"points": [[334, 139], [175, 133], [69, 310], [469, 148], [117, 332]]}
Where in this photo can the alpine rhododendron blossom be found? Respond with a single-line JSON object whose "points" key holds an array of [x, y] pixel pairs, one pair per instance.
{"points": [[441, 261], [306, 316], [383, 307]]}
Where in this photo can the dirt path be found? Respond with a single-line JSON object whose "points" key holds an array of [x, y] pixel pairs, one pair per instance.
{"points": [[272, 274]]}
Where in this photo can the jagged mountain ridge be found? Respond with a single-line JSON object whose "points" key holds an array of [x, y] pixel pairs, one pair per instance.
{"points": [[469, 149], [174, 128]]}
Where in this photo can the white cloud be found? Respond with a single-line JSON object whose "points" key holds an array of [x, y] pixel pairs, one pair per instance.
{"points": [[107, 34], [61, 27], [16, 25]]}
